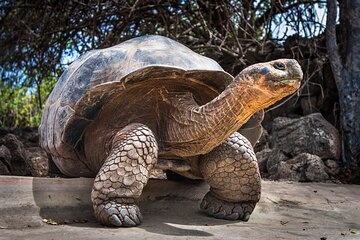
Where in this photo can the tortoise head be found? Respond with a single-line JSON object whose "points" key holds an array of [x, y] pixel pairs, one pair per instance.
{"points": [[276, 78]]}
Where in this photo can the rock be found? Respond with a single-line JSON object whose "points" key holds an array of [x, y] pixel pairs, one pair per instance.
{"points": [[5, 158], [268, 160], [286, 171], [315, 169], [38, 161], [19, 158], [291, 169], [303, 167], [275, 157], [333, 167], [26, 158], [262, 158], [310, 134]]}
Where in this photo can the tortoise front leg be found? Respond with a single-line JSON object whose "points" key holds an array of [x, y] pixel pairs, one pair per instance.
{"points": [[232, 172], [123, 176]]}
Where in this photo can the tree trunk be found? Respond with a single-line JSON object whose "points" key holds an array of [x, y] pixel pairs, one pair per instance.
{"points": [[350, 96], [347, 76]]}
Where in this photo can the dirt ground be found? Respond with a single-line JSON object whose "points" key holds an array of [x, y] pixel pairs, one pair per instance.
{"points": [[171, 211]]}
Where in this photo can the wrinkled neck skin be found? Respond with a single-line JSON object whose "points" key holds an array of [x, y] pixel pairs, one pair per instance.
{"points": [[194, 130]]}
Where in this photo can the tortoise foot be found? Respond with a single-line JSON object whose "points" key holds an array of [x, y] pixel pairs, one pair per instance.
{"points": [[226, 210], [115, 214]]}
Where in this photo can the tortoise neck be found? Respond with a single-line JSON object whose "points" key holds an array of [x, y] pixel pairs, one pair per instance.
{"points": [[230, 110], [194, 129]]}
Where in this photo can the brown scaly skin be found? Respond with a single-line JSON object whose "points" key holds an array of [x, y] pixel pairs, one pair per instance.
{"points": [[225, 159], [232, 172], [123, 176]]}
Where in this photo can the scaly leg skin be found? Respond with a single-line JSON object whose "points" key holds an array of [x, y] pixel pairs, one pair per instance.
{"points": [[123, 176], [232, 172]]}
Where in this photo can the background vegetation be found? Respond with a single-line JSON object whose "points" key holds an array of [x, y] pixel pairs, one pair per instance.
{"points": [[40, 38]]}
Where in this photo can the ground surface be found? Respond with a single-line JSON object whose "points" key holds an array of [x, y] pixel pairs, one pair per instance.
{"points": [[171, 211]]}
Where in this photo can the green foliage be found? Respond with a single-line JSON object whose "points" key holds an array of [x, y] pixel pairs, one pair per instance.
{"points": [[20, 106]]}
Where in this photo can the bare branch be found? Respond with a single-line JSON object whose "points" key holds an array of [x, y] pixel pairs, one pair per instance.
{"points": [[331, 44]]}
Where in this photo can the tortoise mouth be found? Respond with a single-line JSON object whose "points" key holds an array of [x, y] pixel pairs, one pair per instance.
{"points": [[289, 82]]}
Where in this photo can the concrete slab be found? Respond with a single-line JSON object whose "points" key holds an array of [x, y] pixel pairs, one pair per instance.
{"points": [[171, 211]]}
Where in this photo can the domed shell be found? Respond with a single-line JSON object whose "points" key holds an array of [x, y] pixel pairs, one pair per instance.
{"points": [[93, 79]]}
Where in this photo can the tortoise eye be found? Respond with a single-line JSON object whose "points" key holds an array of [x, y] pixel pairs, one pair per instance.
{"points": [[279, 66]]}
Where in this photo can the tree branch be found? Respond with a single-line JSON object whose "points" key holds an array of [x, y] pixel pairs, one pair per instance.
{"points": [[277, 8], [331, 45]]}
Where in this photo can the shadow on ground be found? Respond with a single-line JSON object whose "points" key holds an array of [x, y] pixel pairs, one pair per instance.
{"points": [[168, 207], [171, 211]]}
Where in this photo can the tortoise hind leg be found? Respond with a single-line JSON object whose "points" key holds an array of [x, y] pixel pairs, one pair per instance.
{"points": [[123, 176], [233, 175]]}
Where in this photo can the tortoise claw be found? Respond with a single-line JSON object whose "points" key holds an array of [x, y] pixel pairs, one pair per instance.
{"points": [[118, 214], [226, 210], [115, 221]]}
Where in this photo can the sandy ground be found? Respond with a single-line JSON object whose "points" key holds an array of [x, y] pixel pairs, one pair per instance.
{"points": [[171, 211]]}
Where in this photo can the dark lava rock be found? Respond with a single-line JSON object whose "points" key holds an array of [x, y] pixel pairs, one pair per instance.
{"points": [[310, 134], [19, 158]]}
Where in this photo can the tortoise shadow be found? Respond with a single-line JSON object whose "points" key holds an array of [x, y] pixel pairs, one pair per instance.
{"points": [[67, 201], [167, 225], [177, 218]]}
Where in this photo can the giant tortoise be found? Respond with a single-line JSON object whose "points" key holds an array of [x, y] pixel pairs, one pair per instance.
{"points": [[117, 113]]}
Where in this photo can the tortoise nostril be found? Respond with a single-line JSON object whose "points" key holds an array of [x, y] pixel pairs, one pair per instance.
{"points": [[279, 66]]}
